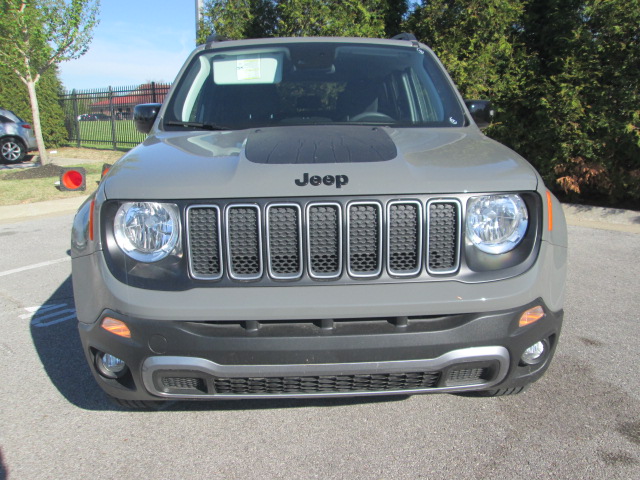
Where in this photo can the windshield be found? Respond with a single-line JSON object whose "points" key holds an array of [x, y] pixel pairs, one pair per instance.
{"points": [[313, 83]]}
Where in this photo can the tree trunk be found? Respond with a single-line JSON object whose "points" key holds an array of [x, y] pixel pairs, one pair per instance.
{"points": [[37, 127]]}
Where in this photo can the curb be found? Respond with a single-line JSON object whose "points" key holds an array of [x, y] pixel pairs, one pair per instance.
{"points": [[28, 211], [602, 218]]}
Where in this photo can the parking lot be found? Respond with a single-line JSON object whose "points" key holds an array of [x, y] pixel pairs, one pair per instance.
{"points": [[582, 420]]}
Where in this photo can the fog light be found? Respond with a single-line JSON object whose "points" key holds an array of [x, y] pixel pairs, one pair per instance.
{"points": [[535, 353], [109, 365]]}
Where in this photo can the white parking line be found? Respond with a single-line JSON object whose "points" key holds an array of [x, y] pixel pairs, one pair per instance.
{"points": [[52, 313], [36, 265]]}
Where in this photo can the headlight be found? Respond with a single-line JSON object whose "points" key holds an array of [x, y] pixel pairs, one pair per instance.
{"points": [[147, 231], [496, 223]]}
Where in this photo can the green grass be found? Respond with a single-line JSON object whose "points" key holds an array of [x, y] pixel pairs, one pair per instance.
{"points": [[98, 134], [14, 192]]}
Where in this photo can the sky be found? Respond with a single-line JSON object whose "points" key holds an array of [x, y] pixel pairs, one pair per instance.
{"points": [[136, 41]]}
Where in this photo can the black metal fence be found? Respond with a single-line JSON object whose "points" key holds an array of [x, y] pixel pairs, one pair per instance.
{"points": [[104, 118]]}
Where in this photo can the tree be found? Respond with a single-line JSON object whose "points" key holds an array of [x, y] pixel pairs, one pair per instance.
{"points": [[394, 12], [346, 18], [14, 96], [236, 19], [36, 35], [563, 77]]}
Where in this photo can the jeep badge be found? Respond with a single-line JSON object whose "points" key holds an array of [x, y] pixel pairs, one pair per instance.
{"points": [[328, 180]]}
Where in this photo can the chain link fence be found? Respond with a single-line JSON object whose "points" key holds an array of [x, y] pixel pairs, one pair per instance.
{"points": [[103, 118]]}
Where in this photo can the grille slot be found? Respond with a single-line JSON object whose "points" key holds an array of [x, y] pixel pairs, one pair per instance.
{"points": [[364, 239], [205, 260], [244, 242], [284, 241], [324, 237], [444, 230], [404, 238], [325, 383]]}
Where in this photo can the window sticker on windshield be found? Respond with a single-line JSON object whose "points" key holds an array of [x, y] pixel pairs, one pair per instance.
{"points": [[248, 68]]}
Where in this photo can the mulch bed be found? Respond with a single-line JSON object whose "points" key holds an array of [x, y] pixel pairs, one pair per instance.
{"points": [[45, 171]]}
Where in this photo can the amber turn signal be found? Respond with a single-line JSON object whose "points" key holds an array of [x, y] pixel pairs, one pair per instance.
{"points": [[117, 327], [531, 316], [550, 211]]}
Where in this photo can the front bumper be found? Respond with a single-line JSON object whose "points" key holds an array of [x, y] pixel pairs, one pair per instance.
{"points": [[258, 359]]}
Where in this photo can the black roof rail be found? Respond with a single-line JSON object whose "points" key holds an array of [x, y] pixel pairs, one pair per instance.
{"points": [[214, 37], [405, 36]]}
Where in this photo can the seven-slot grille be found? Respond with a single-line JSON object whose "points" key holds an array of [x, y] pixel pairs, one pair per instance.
{"points": [[416, 237]]}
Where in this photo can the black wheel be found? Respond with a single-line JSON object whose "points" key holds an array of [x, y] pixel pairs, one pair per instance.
{"points": [[12, 150], [136, 404]]}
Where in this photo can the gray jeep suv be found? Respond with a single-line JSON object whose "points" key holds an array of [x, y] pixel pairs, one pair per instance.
{"points": [[317, 217]]}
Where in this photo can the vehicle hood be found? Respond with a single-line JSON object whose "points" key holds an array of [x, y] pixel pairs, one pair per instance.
{"points": [[273, 162]]}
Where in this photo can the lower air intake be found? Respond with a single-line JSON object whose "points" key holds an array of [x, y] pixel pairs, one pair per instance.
{"points": [[174, 384], [325, 384]]}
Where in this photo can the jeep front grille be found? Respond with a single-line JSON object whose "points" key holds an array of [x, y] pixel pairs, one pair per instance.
{"points": [[324, 240]]}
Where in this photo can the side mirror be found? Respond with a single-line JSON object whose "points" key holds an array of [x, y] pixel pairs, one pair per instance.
{"points": [[481, 111], [145, 115]]}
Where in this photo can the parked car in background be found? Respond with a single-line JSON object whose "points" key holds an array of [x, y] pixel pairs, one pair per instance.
{"points": [[16, 137], [93, 117]]}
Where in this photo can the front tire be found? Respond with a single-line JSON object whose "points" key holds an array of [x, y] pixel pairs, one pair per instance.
{"points": [[12, 150]]}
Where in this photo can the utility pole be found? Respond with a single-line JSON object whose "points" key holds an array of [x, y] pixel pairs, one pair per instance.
{"points": [[198, 15]]}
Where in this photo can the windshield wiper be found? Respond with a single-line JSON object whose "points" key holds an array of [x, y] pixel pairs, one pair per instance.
{"points": [[198, 125]]}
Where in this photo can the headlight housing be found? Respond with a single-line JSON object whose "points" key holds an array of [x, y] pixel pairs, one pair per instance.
{"points": [[496, 223], [147, 231]]}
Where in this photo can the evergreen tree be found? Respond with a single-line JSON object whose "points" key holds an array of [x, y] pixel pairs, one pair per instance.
{"points": [[563, 76], [235, 19]]}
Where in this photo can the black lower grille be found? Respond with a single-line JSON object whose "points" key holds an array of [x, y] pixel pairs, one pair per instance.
{"points": [[325, 384]]}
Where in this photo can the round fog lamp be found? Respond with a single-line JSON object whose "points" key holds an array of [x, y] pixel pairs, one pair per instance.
{"points": [[534, 354], [109, 365]]}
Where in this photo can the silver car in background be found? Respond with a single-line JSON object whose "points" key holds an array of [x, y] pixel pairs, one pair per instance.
{"points": [[16, 137]]}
